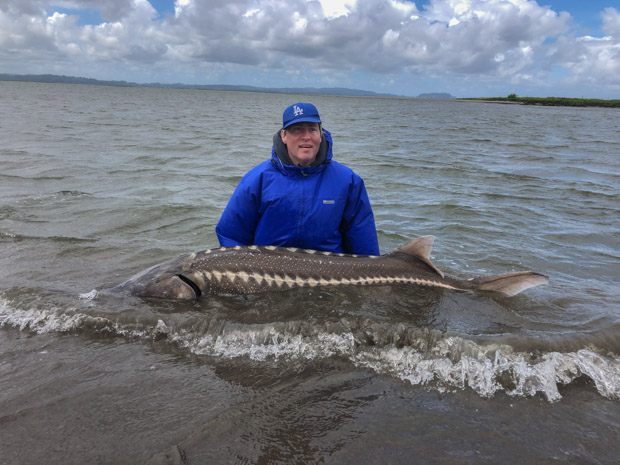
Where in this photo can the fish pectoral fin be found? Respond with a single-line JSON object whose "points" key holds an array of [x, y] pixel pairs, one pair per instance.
{"points": [[421, 249], [510, 284]]}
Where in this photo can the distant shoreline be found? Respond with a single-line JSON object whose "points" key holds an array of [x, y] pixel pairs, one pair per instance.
{"points": [[59, 79], [548, 101], [328, 91]]}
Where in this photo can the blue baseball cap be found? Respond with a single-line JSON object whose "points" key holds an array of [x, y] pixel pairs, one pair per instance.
{"points": [[300, 113]]}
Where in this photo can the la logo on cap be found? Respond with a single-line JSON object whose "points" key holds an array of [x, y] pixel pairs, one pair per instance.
{"points": [[297, 111]]}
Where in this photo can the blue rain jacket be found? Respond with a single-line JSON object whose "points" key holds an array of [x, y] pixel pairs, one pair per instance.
{"points": [[324, 206]]}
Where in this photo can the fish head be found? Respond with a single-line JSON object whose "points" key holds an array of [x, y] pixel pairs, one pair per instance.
{"points": [[165, 281]]}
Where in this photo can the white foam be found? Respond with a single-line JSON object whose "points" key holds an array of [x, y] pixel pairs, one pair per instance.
{"points": [[488, 370], [263, 342], [55, 319], [434, 360], [452, 363], [40, 321], [92, 295]]}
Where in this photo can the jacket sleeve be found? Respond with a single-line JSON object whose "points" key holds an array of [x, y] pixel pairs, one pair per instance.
{"points": [[359, 233], [240, 217]]}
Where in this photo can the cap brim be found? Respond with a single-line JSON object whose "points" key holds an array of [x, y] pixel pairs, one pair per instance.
{"points": [[303, 120]]}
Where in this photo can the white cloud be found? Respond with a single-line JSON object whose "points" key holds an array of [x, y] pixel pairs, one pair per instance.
{"points": [[488, 40], [611, 22], [592, 61], [337, 8]]}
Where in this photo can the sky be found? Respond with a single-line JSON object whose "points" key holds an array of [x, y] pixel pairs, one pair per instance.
{"points": [[468, 48]]}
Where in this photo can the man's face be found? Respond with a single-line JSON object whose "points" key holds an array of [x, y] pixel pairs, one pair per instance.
{"points": [[302, 142]]}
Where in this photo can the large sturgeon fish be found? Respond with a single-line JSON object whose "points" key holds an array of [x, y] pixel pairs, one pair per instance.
{"points": [[252, 269]]}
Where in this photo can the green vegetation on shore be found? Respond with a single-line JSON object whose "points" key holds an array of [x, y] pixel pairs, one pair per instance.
{"points": [[551, 101]]}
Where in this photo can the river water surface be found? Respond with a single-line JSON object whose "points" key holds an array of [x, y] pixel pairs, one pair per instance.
{"points": [[98, 183]]}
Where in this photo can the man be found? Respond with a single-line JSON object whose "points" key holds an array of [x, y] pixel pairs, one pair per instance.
{"points": [[301, 197]]}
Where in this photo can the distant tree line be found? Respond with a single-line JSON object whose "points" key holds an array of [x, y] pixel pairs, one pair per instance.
{"points": [[553, 101]]}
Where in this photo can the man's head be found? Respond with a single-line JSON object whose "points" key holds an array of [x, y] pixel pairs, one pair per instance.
{"points": [[301, 132]]}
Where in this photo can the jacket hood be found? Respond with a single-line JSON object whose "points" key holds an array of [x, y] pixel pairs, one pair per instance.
{"points": [[280, 158]]}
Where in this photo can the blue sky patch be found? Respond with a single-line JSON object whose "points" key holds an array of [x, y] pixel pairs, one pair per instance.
{"points": [[559, 72], [163, 7]]}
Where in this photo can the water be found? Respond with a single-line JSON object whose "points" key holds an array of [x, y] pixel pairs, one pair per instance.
{"points": [[98, 183]]}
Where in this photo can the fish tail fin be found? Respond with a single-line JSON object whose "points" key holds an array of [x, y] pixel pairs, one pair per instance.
{"points": [[510, 284]]}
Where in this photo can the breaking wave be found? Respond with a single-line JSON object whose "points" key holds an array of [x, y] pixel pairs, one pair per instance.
{"points": [[421, 356]]}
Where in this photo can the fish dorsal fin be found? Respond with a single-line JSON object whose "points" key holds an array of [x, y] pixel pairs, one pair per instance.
{"points": [[421, 248]]}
